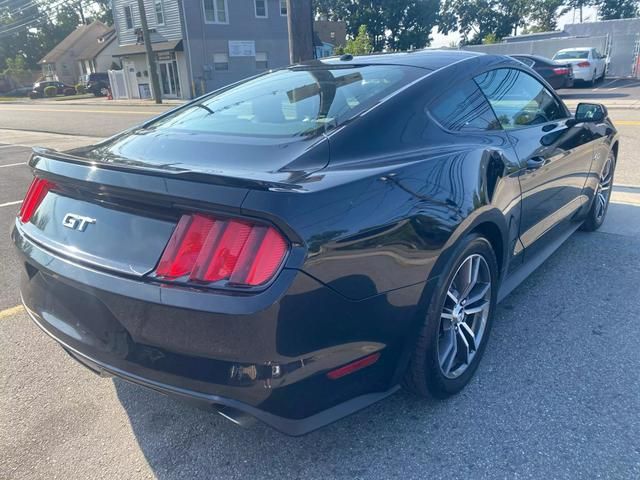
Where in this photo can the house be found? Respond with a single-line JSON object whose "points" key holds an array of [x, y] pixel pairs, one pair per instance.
{"points": [[229, 40], [327, 35], [98, 56], [62, 63], [164, 21], [200, 45]]}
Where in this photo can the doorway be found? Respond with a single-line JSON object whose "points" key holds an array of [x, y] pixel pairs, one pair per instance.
{"points": [[169, 80]]}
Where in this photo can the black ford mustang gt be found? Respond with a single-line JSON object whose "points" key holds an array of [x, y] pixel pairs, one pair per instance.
{"points": [[298, 245]]}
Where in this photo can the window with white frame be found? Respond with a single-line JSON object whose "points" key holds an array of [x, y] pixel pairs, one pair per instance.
{"points": [[261, 8], [220, 61], [261, 61], [283, 8], [215, 11], [128, 17], [159, 4]]}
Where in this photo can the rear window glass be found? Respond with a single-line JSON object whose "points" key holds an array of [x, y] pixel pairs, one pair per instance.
{"points": [[294, 102], [571, 54]]}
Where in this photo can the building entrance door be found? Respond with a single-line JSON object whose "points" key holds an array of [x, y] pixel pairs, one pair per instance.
{"points": [[169, 81]]}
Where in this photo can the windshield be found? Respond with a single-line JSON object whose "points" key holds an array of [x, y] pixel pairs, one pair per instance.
{"points": [[571, 54], [292, 102]]}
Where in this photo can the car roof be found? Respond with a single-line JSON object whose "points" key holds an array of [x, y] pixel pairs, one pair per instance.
{"points": [[532, 57], [427, 59], [574, 49]]}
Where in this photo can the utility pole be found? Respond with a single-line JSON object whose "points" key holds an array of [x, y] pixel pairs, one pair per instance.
{"points": [[151, 59], [82, 18], [300, 21]]}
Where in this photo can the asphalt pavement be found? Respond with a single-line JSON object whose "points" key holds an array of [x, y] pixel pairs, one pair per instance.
{"points": [[557, 394]]}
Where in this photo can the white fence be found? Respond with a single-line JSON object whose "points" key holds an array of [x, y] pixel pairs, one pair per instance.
{"points": [[119, 86]]}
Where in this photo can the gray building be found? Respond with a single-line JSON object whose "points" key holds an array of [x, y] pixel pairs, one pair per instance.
{"points": [[242, 39], [200, 45]]}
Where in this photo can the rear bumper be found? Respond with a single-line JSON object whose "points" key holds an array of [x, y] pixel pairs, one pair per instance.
{"points": [[266, 354], [583, 74], [234, 408]]}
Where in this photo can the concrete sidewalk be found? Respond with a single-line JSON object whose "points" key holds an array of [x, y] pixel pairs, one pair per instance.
{"points": [[96, 101]]}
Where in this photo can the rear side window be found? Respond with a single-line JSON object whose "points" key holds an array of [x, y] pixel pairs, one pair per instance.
{"points": [[518, 99], [292, 102], [527, 61], [464, 108]]}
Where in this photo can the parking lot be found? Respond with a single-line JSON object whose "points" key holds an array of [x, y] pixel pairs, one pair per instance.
{"points": [[556, 395], [613, 92]]}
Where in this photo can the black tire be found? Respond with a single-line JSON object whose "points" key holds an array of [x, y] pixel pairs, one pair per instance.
{"points": [[596, 216], [424, 375]]}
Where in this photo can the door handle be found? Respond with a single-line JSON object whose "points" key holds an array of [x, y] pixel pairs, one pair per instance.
{"points": [[536, 162]]}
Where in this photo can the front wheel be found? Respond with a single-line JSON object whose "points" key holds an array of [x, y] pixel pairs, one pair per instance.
{"points": [[600, 205], [455, 331]]}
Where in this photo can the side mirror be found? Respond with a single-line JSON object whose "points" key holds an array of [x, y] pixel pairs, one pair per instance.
{"points": [[590, 112]]}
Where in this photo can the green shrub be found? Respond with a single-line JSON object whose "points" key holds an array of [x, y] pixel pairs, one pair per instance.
{"points": [[50, 91], [80, 89]]}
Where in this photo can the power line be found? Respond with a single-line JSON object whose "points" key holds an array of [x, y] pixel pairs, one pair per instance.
{"points": [[35, 18]]}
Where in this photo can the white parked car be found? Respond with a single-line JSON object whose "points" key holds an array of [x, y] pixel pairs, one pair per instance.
{"points": [[589, 65]]}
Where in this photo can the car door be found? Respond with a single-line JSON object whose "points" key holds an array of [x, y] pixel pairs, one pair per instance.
{"points": [[555, 155]]}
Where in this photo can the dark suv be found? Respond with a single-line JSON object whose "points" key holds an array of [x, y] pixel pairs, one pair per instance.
{"points": [[98, 84]]}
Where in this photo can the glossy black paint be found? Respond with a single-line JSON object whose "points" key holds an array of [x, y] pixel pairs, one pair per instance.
{"points": [[545, 67], [371, 209]]}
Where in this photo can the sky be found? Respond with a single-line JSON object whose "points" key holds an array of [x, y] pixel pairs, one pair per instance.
{"points": [[589, 14]]}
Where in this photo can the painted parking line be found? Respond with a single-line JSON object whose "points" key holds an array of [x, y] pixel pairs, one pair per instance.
{"points": [[13, 164], [72, 110], [11, 311], [8, 204], [10, 146], [606, 84], [626, 122]]}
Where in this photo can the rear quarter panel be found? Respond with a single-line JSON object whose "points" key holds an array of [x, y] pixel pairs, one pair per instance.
{"points": [[399, 191]]}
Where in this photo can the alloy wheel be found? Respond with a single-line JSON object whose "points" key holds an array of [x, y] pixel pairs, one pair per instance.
{"points": [[463, 319], [603, 193]]}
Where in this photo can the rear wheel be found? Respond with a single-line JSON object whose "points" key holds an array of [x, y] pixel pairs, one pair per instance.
{"points": [[455, 331], [600, 205]]}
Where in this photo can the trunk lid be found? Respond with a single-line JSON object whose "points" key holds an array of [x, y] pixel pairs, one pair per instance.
{"points": [[175, 152], [114, 206]]}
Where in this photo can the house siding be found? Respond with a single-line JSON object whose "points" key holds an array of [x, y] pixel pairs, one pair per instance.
{"points": [[171, 30], [185, 20], [206, 39]]}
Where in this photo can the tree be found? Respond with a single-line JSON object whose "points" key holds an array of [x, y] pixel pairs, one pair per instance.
{"points": [[391, 24], [613, 9], [475, 19], [545, 14], [32, 28], [361, 44], [580, 5], [489, 39]]}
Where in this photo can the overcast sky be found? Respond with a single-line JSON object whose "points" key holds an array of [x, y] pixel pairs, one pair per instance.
{"points": [[588, 15]]}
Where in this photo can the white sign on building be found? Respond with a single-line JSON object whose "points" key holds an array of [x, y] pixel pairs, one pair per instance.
{"points": [[242, 48]]}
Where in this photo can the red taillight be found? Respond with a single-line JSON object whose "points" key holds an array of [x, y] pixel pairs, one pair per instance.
{"points": [[35, 194], [584, 64], [353, 366], [561, 71], [207, 249]]}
